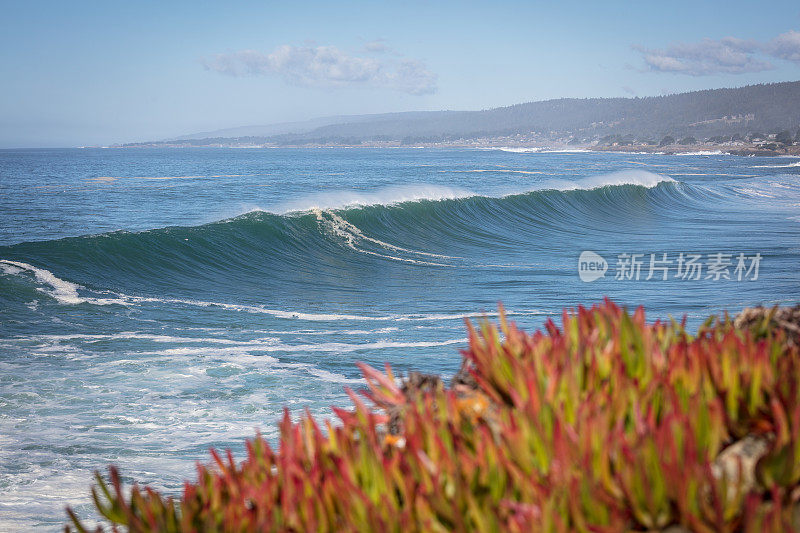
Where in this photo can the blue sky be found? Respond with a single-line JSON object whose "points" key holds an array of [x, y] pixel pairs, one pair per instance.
{"points": [[91, 73]]}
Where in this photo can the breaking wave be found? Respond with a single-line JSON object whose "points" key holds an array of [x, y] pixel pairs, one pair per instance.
{"points": [[426, 228]]}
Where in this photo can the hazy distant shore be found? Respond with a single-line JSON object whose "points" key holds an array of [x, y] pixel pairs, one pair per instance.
{"points": [[739, 148], [753, 120], [710, 149]]}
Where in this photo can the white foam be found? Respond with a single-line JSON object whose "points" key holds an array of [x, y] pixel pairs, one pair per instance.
{"points": [[343, 347], [205, 351], [277, 313], [344, 229], [790, 165], [625, 152], [388, 196], [389, 329], [132, 335], [457, 316], [328, 317], [516, 150], [565, 151], [540, 150], [753, 193], [401, 259], [64, 292], [354, 237], [396, 194], [331, 377], [495, 170], [703, 152], [642, 178]]}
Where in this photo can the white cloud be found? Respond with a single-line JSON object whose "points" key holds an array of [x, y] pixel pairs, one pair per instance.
{"points": [[785, 46], [327, 66], [724, 56], [377, 46]]}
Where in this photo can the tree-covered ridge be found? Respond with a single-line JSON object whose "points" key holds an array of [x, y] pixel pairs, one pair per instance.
{"points": [[769, 108]]}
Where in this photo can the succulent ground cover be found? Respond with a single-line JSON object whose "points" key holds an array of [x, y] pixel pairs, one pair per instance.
{"points": [[604, 422]]}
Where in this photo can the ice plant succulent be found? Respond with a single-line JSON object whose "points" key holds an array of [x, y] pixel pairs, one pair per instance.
{"points": [[604, 423]]}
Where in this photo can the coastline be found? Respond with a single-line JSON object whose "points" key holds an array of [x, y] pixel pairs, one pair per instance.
{"points": [[747, 149], [740, 149]]}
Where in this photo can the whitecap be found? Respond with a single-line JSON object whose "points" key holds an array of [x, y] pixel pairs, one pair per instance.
{"points": [[638, 177], [386, 196], [64, 292], [790, 165]]}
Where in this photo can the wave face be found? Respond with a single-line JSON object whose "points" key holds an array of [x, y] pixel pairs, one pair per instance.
{"points": [[171, 301], [280, 250]]}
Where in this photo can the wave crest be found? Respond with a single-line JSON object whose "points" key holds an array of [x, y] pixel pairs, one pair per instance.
{"points": [[344, 199], [321, 242], [401, 194]]}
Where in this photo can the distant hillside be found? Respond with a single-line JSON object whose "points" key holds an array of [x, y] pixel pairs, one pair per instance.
{"points": [[267, 130], [282, 128], [262, 132], [702, 114]]}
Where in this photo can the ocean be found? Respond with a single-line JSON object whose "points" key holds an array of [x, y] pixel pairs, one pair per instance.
{"points": [[156, 303]]}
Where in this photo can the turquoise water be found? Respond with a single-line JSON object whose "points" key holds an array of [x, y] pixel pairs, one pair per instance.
{"points": [[155, 303]]}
